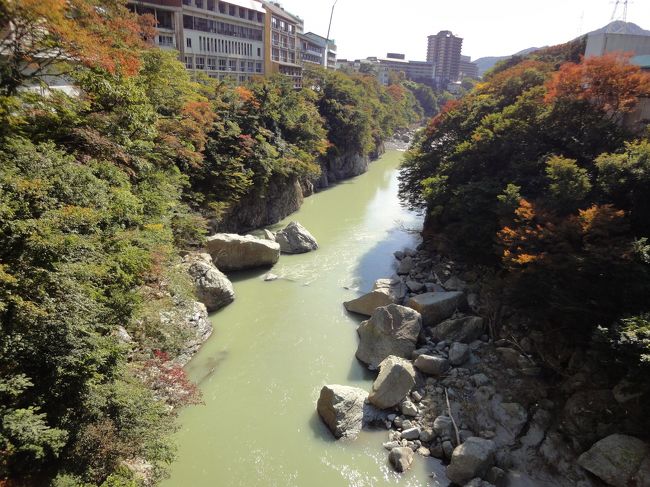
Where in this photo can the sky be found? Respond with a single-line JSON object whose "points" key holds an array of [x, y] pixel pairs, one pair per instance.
{"points": [[365, 28]]}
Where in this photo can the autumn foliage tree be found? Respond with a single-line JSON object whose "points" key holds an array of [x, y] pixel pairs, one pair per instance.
{"points": [[535, 173], [38, 38]]}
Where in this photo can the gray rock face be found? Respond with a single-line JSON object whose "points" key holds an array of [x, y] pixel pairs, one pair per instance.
{"points": [[385, 292], [401, 458], [295, 239], [470, 460], [231, 252], [431, 365], [193, 317], [395, 380], [341, 409], [211, 286], [615, 459], [458, 353], [436, 307], [464, 330], [391, 330]]}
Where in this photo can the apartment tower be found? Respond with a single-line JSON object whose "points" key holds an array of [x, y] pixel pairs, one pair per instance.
{"points": [[444, 50]]}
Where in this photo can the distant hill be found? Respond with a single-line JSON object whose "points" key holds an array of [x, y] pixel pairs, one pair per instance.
{"points": [[618, 26], [486, 63]]}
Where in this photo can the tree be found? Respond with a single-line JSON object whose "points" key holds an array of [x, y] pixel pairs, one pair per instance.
{"points": [[39, 38], [608, 82]]}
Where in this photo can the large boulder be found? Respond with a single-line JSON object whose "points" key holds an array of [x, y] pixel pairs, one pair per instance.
{"points": [[436, 307], [231, 252], [341, 409], [615, 459], [384, 292], [401, 458], [464, 330], [295, 239], [395, 380], [211, 286], [391, 330], [432, 365], [470, 460], [458, 353]]}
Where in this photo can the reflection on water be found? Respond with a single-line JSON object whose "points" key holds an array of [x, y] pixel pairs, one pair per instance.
{"points": [[281, 341]]}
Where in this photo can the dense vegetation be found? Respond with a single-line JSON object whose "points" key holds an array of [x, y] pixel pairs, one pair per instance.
{"points": [[99, 192], [538, 173]]}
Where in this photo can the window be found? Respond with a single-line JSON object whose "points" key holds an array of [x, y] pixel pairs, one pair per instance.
{"points": [[232, 65], [199, 3], [258, 67], [242, 66], [188, 42], [243, 78], [260, 17], [251, 66], [189, 64], [276, 54], [292, 57], [283, 26], [231, 10], [276, 38], [222, 64], [291, 28], [222, 7], [211, 5], [212, 64], [167, 41], [259, 52], [274, 22], [242, 13], [164, 19], [188, 22], [187, 2], [200, 63]]}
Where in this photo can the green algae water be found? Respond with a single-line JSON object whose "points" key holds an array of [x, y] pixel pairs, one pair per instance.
{"points": [[275, 347]]}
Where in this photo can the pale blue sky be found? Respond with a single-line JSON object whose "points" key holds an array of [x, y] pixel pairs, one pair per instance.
{"points": [[365, 28]]}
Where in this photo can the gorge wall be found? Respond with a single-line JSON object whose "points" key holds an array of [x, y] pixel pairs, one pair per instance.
{"points": [[285, 195]]}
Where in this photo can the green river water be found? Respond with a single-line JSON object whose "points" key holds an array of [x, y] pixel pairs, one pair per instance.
{"points": [[280, 342]]}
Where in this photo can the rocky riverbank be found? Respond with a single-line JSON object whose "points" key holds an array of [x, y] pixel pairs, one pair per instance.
{"points": [[453, 385]]}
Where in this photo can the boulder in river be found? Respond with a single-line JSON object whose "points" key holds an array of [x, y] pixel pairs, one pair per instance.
{"points": [[436, 307], [395, 380], [470, 460], [295, 239], [231, 252], [211, 286], [464, 330], [391, 330], [401, 458], [341, 409], [616, 460], [384, 292]]}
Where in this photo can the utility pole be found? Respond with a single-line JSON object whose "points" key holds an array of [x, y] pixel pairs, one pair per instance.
{"points": [[327, 41]]}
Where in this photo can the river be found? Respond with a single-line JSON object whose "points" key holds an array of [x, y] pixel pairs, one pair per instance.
{"points": [[281, 341]]}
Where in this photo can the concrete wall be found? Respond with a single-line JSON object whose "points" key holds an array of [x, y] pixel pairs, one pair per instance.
{"points": [[599, 44]]}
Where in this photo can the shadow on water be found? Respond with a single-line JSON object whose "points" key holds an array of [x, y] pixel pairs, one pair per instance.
{"points": [[372, 265], [319, 429], [359, 371], [211, 365]]}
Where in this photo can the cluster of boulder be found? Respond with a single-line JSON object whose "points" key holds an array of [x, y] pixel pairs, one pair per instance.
{"points": [[225, 252], [447, 390]]}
